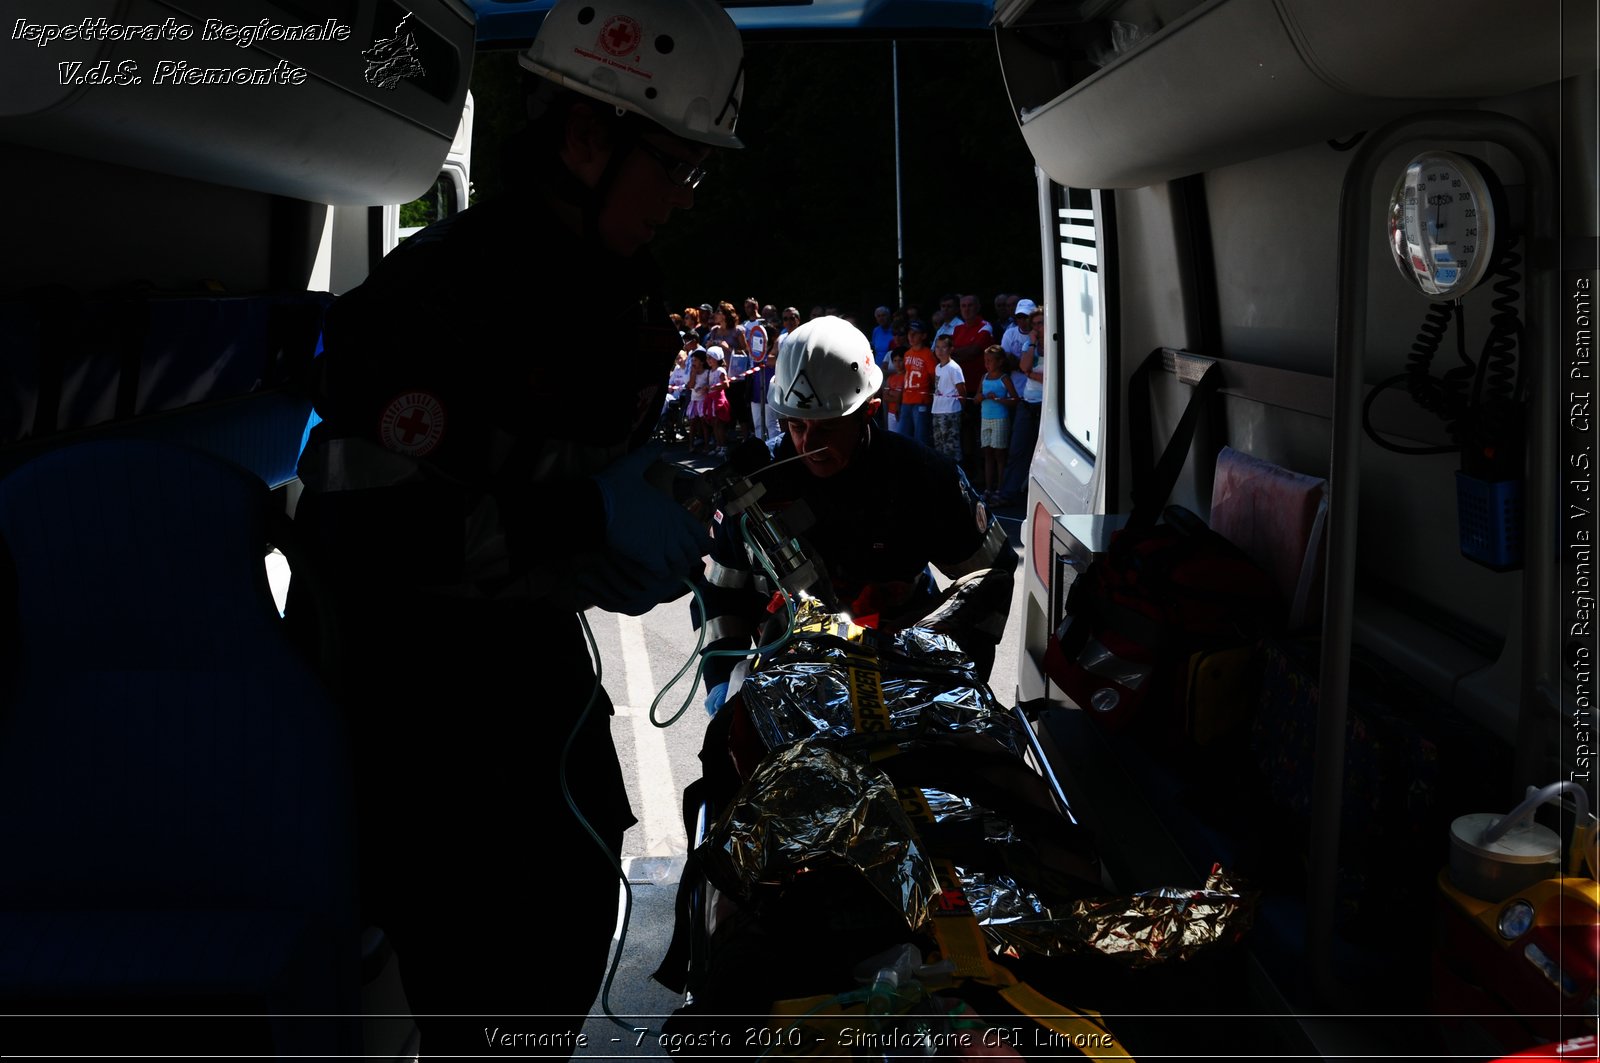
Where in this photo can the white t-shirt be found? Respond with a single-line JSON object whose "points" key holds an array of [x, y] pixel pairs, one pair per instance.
{"points": [[946, 388], [1033, 391], [1015, 340]]}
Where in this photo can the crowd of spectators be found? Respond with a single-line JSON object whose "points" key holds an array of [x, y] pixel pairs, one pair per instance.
{"points": [[953, 380]]}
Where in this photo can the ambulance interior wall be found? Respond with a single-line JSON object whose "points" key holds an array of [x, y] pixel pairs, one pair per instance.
{"points": [[93, 226], [1273, 229], [1276, 285]]}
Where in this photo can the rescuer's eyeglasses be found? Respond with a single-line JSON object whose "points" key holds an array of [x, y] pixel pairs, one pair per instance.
{"points": [[679, 172], [832, 426]]}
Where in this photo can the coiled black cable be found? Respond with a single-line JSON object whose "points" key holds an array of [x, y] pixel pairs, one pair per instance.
{"points": [[1504, 383], [1493, 445], [1479, 402], [1422, 386], [1445, 398]]}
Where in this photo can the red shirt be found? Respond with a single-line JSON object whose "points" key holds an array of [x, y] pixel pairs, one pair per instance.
{"points": [[977, 334], [919, 377]]}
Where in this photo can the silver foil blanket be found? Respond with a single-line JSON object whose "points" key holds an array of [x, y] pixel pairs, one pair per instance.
{"points": [[931, 648], [808, 803], [913, 645], [793, 699]]}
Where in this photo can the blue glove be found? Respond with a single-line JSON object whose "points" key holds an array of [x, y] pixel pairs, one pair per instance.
{"points": [[646, 524], [715, 698]]}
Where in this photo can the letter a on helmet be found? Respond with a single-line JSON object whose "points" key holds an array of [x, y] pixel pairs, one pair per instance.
{"points": [[825, 369], [679, 63]]}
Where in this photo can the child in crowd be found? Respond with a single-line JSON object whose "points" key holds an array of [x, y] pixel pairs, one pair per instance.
{"points": [[902, 341], [994, 435], [948, 390], [678, 379], [893, 385], [917, 396], [718, 411], [699, 381], [672, 426]]}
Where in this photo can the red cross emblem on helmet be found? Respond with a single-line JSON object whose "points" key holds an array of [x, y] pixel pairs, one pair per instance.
{"points": [[620, 35]]}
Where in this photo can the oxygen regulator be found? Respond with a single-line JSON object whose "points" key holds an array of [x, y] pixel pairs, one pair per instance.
{"points": [[731, 490]]}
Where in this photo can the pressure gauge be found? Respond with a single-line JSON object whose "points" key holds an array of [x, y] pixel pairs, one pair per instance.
{"points": [[1441, 223]]}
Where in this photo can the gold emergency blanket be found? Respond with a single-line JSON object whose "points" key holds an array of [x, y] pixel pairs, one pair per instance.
{"points": [[1154, 927], [808, 803]]}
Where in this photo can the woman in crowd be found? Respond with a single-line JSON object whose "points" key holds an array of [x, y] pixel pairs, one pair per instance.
{"points": [[725, 329], [691, 327]]}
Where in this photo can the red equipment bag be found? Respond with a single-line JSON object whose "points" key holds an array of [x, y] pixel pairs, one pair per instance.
{"points": [[1139, 613], [1162, 592]]}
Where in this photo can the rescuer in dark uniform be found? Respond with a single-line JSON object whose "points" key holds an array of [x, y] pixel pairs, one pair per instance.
{"points": [[885, 507], [459, 511]]}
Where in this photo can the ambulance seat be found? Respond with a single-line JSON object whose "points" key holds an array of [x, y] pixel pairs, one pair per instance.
{"points": [[1277, 517], [175, 816]]}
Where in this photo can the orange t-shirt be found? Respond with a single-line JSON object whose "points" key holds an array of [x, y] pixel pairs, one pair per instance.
{"points": [[892, 386], [919, 362]]}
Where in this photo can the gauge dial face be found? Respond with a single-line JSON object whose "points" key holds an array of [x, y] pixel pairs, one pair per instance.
{"points": [[1441, 223]]}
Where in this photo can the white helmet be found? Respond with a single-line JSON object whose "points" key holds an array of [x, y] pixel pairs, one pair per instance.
{"points": [[825, 369], [679, 63]]}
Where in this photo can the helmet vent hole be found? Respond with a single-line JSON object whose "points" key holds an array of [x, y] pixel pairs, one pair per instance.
{"points": [[585, 16], [665, 44], [650, 94]]}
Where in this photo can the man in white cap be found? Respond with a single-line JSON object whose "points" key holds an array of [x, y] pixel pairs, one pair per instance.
{"points": [[885, 507], [461, 514], [1015, 340]]}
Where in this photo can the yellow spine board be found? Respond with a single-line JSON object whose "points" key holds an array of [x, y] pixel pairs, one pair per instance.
{"points": [[960, 939]]}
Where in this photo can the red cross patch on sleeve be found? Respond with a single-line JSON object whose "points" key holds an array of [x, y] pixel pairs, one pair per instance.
{"points": [[412, 423]]}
